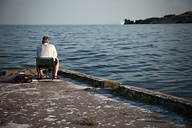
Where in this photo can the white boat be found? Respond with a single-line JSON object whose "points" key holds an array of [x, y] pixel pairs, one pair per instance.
{"points": [[122, 23]]}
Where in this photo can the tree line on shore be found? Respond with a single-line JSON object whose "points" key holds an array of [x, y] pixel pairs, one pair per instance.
{"points": [[167, 19]]}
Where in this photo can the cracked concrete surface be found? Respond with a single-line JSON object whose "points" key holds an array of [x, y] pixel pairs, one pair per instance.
{"points": [[46, 104]]}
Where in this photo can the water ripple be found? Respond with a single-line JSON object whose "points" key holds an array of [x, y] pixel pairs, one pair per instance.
{"points": [[157, 57]]}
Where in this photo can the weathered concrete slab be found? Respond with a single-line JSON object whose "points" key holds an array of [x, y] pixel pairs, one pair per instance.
{"points": [[44, 93], [176, 104], [173, 103], [91, 80], [14, 71], [47, 104]]}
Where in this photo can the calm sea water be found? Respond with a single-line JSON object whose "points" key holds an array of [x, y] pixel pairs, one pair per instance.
{"points": [[156, 57]]}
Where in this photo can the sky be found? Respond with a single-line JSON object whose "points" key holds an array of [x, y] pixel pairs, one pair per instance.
{"points": [[86, 11]]}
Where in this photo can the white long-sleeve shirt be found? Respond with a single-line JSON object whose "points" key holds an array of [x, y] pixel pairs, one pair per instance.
{"points": [[46, 50]]}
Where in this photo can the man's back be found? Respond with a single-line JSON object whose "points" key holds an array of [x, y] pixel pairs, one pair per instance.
{"points": [[46, 50]]}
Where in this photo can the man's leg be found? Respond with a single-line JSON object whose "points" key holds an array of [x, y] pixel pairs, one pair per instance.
{"points": [[41, 74], [56, 67]]}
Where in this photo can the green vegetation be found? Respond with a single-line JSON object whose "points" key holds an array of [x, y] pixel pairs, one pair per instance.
{"points": [[133, 95], [167, 19], [89, 122], [128, 21]]}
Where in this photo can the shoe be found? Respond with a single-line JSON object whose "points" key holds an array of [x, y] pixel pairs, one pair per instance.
{"points": [[55, 77], [41, 76]]}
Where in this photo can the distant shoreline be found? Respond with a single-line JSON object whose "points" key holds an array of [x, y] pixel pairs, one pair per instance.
{"points": [[167, 19]]}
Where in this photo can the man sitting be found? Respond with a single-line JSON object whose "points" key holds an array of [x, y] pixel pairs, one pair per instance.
{"points": [[48, 50]]}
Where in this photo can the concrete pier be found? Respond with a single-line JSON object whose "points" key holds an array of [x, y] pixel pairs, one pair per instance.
{"points": [[48, 104], [173, 103]]}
